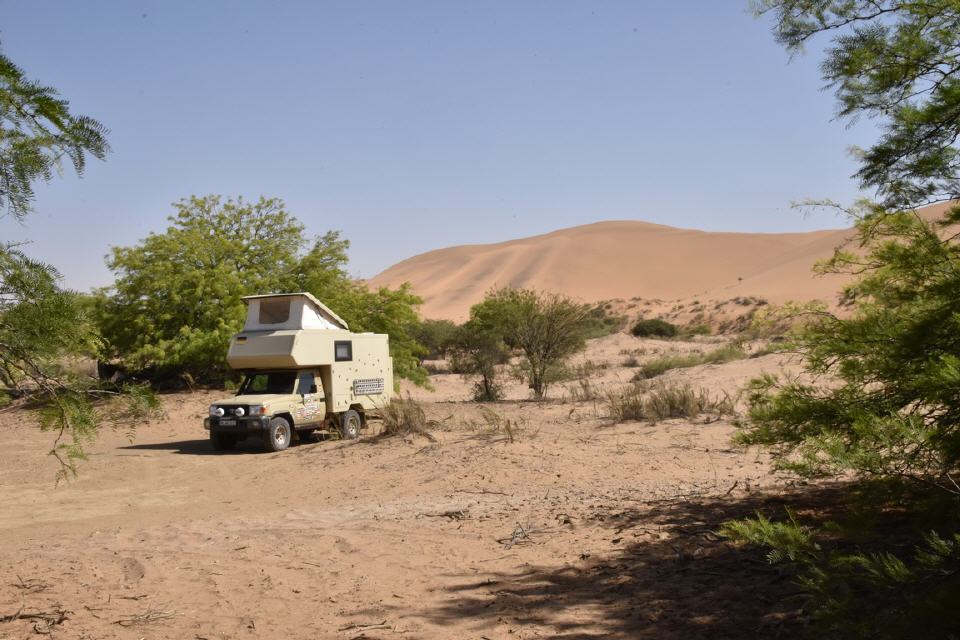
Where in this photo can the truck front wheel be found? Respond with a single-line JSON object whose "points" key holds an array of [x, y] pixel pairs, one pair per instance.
{"points": [[277, 436], [350, 423]]}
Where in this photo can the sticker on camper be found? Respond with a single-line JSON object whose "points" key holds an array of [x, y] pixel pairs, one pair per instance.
{"points": [[368, 386]]}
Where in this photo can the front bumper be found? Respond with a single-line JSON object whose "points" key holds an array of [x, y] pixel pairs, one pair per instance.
{"points": [[246, 424]]}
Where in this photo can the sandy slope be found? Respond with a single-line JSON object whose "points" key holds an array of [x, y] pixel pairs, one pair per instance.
{"points": [[398, 538], [626, 259]]}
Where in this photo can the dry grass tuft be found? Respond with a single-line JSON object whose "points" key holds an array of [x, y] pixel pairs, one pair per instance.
{"points": [[665, 401], [405, 416]]}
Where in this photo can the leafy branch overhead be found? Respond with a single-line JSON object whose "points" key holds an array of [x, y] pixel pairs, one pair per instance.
{"points": [[896, 62], [37, 131]]}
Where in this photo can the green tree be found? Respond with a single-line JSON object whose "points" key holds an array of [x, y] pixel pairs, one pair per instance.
{"points": [[43, 326], [547, 329], [437, 336], [176, 300], [880, 401]]}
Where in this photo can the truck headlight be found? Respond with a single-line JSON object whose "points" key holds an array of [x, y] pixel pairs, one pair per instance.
{"points": [[257, 410], [239, 412], [215, 411]]}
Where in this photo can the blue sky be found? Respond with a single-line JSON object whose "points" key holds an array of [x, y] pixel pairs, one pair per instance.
{"points": [[416, 125]]}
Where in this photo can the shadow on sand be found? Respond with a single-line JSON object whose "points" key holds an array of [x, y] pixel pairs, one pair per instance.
{"points": [[670, 577]]}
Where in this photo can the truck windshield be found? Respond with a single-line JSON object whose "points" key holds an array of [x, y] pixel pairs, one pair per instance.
{"points": [[269, 382]]}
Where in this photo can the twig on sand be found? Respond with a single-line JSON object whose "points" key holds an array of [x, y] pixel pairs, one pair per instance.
{"points": [[519, 534], [455, 514], [147, 617], [482, 492], [44, 621], [30, 585], [364, 626]]}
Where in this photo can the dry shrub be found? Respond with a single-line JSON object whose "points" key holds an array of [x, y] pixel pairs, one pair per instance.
{"points": [[405, 416], [664, 401], [492, 423]]}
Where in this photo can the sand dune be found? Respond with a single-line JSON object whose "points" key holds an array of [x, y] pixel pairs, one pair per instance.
{"points": [[621, 259], [627, 259]]}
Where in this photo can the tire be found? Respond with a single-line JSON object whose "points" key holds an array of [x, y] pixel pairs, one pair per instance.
{"points": [[350, 424], [222, 441], [278, 435]]}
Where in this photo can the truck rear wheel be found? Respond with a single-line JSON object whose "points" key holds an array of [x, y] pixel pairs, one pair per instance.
{"points": [[350, 424], [277, 436]]}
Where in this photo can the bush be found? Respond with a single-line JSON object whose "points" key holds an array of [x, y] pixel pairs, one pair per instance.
{"points": [[654, 327], [547, 328]]}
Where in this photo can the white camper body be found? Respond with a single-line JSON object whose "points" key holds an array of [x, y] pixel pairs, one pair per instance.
{"points": [[297, 331]]}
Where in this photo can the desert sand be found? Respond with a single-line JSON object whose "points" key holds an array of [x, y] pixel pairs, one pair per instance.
{"points": [[628, 259], [578, 528]]}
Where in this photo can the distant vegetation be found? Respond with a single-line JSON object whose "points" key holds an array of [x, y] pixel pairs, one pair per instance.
{"points": [[660, 365], [654, 328]]}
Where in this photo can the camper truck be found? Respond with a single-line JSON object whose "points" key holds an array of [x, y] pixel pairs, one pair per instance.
{"points": [[303, 371]]}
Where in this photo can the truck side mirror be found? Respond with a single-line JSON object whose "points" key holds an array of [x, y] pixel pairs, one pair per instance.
{"points": [[313, 388]]}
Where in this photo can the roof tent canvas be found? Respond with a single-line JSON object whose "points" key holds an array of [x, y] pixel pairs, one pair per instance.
{"points": [[290, 311]]}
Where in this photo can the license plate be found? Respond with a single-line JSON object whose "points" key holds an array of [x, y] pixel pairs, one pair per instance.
{"points": [[228, 423]]}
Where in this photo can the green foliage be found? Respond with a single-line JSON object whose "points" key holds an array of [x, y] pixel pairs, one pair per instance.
{"points": [[41, 326], [657, 366], [893, 406], [37, 130], [601, 323], [176, 300], [437, 336], [654, 328], [880, 400], [478, 349], [896, 62], [911, 595], [546, 328]]}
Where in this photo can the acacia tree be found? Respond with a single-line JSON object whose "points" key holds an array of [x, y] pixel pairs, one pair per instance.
{"points": [[41, 325], [176, 300], [547, 328], [882, 402]]}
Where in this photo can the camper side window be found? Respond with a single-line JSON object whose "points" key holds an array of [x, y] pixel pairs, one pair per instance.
{"points": [[342, 350], [274, 311]]}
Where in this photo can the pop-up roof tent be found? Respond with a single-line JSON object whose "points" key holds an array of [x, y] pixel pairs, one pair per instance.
{"points": [[285, 311]]}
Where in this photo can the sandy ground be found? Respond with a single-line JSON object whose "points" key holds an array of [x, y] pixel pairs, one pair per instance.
{"points": [[577, 529]]}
